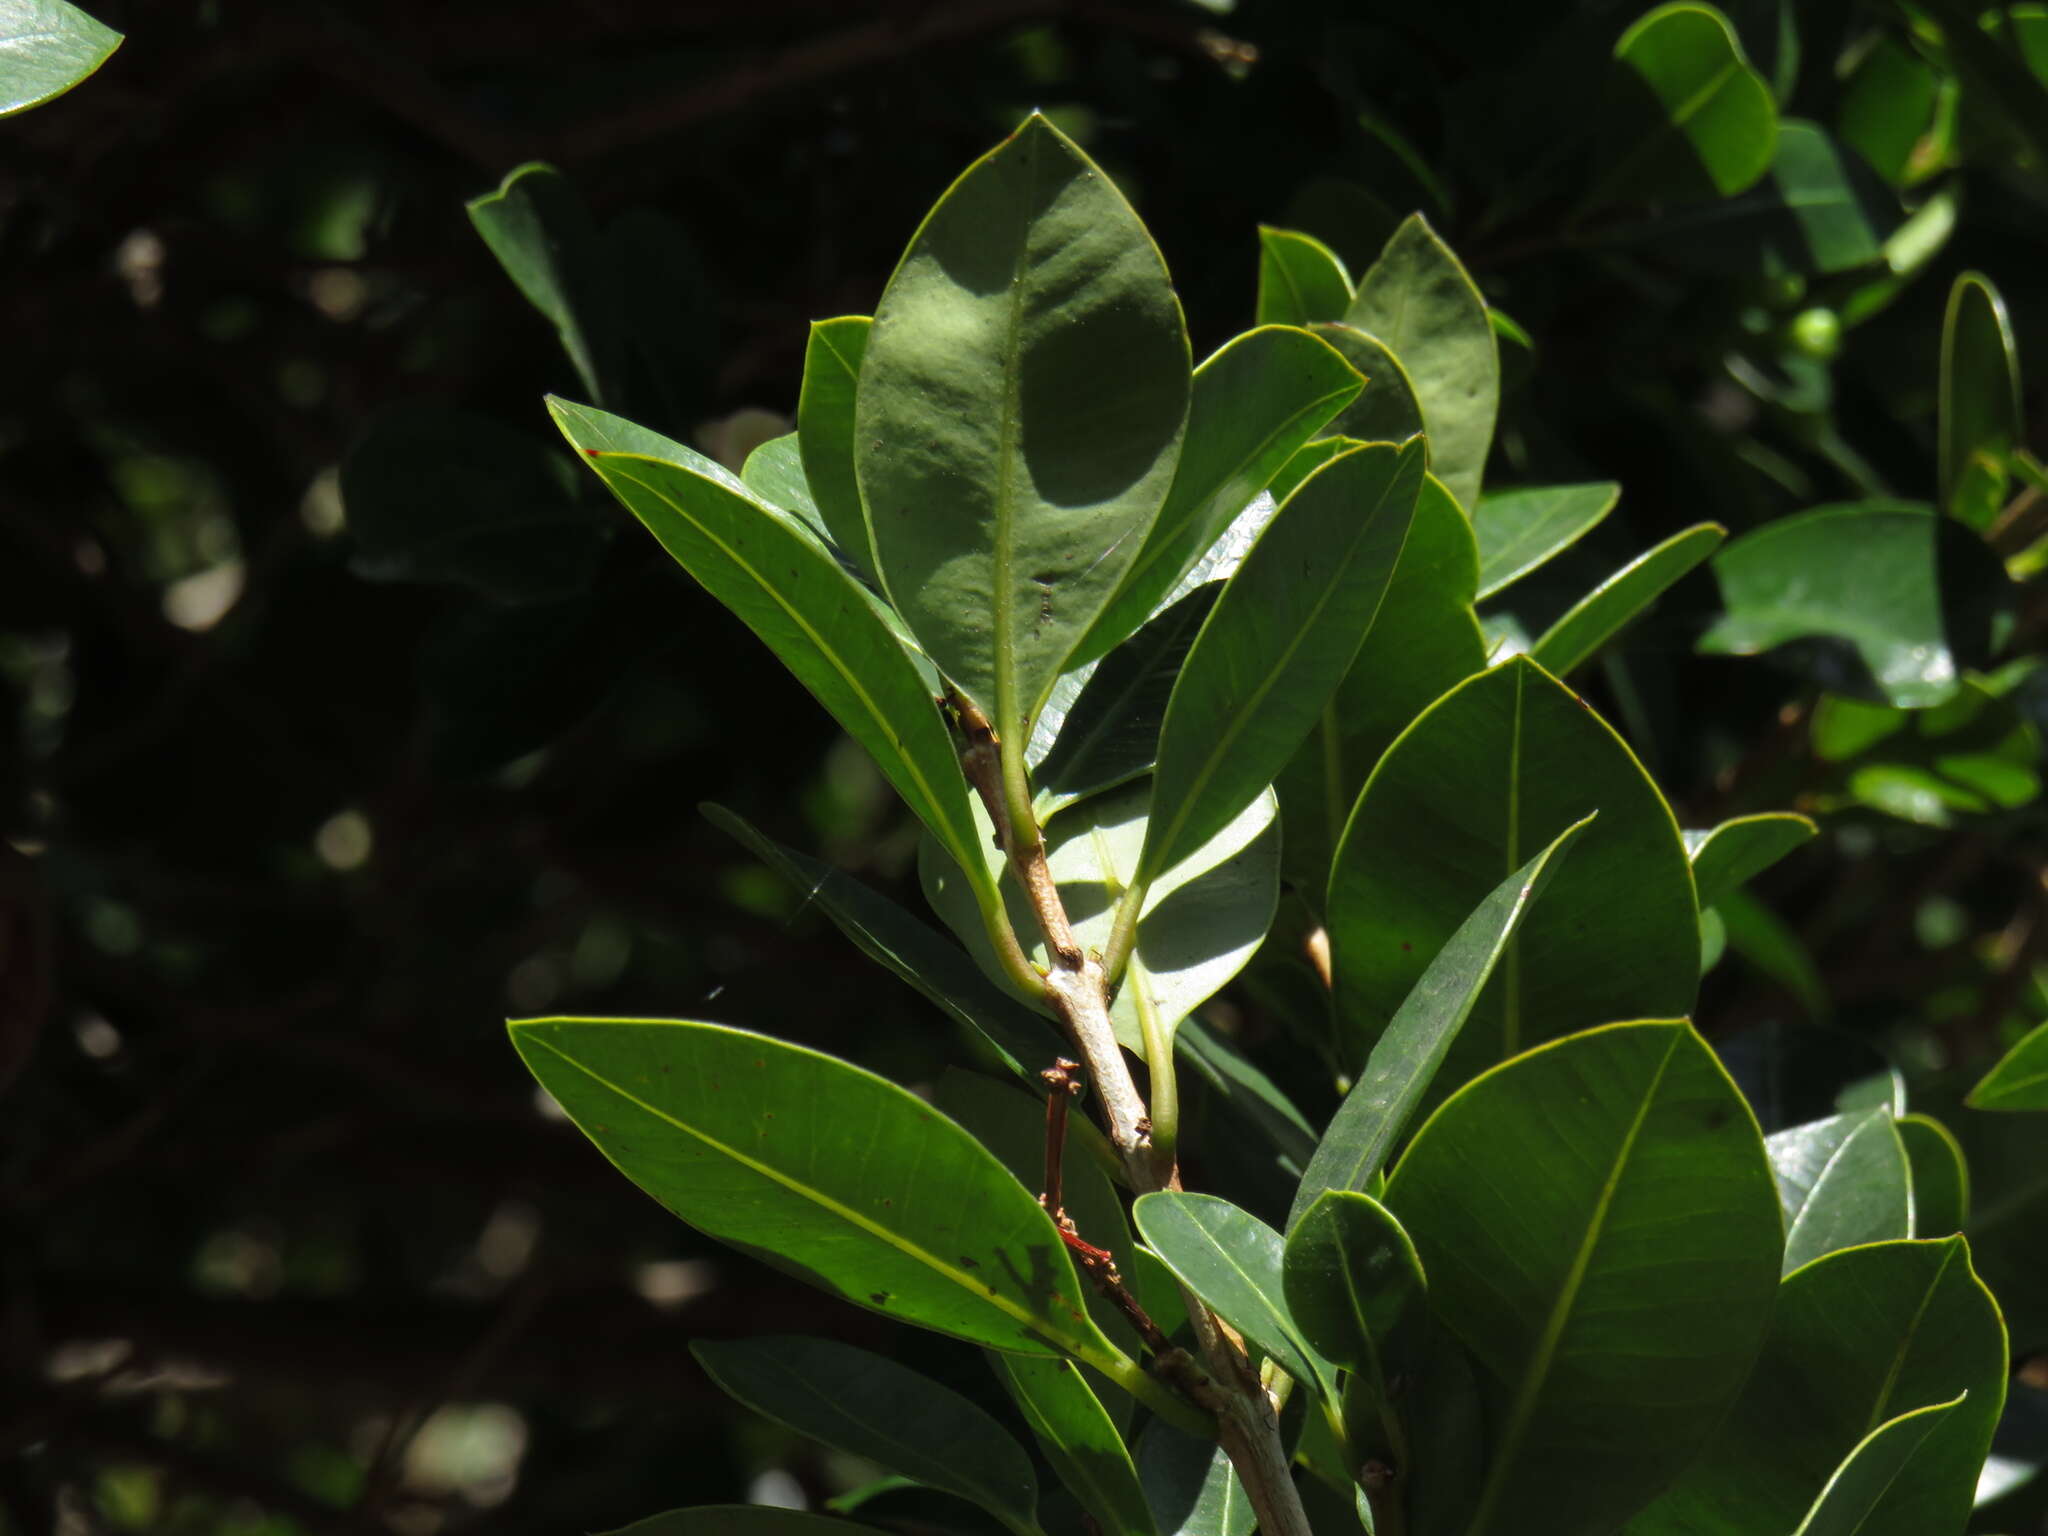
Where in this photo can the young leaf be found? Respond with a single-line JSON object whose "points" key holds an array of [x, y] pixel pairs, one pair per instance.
{"points": [[1740, 849], [1980, 417], [2019, 1080], [1865, 1478], [1301, 280], [1941, 1177], [1689, 119], [1191, 1485], [1019, 417], [1418, 299], [770, 571], [1406, 1058], [825, 430], [1620, 600], [1858, 1338], [50, 46], [1278, 641], [544, 238], [1355, 1286], [1386, 410], [1255, 402], [1080, 1441], [839, 1175], [1520, 530], [737, 1520], [868, 1405], [1595, 1263], [1842, 1181], [1235, 1263]]}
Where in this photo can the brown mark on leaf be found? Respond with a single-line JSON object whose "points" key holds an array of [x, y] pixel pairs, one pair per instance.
{"points": [[879, 1298], [969, 1263], [1044, 584]]}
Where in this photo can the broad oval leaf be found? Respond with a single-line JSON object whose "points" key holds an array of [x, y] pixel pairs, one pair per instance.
{"points": [[1521, 530], [1620, 600], [774, 471], [1386, 410], [1741, 848], [1301, 280], [1842, 1181], [1079, 1439], [1689, 120], [1611, 1269], [1191, 1485], [1019, 416], [1406, 1058], [1419, 300], [48, 46], [1866, 1477], [868, 1405], [1482, 781], [825, 432], [1355, 1286], [1857, 1339], [1279, 640], [1941, 1176], [2019, 1080], [737, 1520], [1980, 416], [823, 1169]]}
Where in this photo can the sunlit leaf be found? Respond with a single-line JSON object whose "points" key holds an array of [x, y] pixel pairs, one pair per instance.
{"points": [[2020, 1080]]}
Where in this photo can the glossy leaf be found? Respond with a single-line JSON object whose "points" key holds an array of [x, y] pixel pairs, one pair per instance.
{"points": [[1611, 1269], [891, 936], [1301, 280], [1622, 598], [866, 1192], [1386, 410], [1842, 1181], [1857, 1339], [824, 425], [544, 238], [1235, 1263], [1279, 640], [1419, 301], [1487, 777], [1981, 421], [775, 472], [1689, 119], [1255, 403], [1019, 417], [1879, 578], [771, 571], [1865, 1479], [1355, 1287], [1941, 1177], [1740, 849], [2020, 1080], [1191, 1485], [1406, 1058], [737, 1520], [47, 47], [868, 1405], [1521, 530], [1974, 755], [1080, 1441]]}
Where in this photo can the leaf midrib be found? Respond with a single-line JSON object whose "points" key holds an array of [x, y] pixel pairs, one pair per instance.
{"points": [[1009, 713]]}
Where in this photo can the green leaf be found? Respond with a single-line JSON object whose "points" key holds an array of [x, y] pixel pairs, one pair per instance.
{"points": [[1865, 1479], [1277, 643], [1764, 939], [1520, 530], [1418, 299], [1236, 1079], [1596, 1262], [892, 937], [1974, 755], [1256, 401], [1941, 1177], [1688, 118], [1235, 1263], [544, 238], [738, 1520], [868, 1405], [1301, 280], [825, 432], [1021, 405], [1842, 1181], [1191, 1485], [771, 571], [1407, 1056], [1621, 599], [1882, 579], [1386, 410], [1355, 1287], [1486, 777], [2020, 1080], [1740, 849], [1079, 1440], [1897, 112], [47, 47], [823, 1169], [1858, 1338], [1981, 422], [775, 472]]}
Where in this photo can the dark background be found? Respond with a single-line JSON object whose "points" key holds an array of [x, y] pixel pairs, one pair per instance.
{"points": [[291, 828]]}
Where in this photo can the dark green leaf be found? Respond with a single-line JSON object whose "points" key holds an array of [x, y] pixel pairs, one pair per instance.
{"points": [[1764, 939], [1689, 119], [1595, 1262], [1864, 1481], [544, 238], [1419, 301], [1621, 599], [1021, 405], [1896, 113], [1407, 1056], [738, 1520], [2020, 1080], [1981, 422], [1941, 1178], [48, 46], [1520, 530], [1740, 849], [1386, 410], [868, 1405], [1355, 1287], [1858, 1338], [1301, 280], [1842, 1181], [1191, 1485], [1080, 1440], [1234, 1077], [824, 424]]}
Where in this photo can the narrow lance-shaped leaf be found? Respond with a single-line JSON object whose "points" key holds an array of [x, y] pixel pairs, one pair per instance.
{"points": [[1842, 1181], [1869, 1473], [1079, 1439], [1019, 416], [1980, 415], [825, 429], [1620, 1256], [1278, 641], [1301, 280], [1406, 1058], [47, 47], [1621, 599], [2020, 1080], [1741, 848], [868, 1405], [544, 238], [1521, 530]]}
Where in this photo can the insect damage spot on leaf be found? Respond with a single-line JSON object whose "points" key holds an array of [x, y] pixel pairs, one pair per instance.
{"points": [[879, 1298]]}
